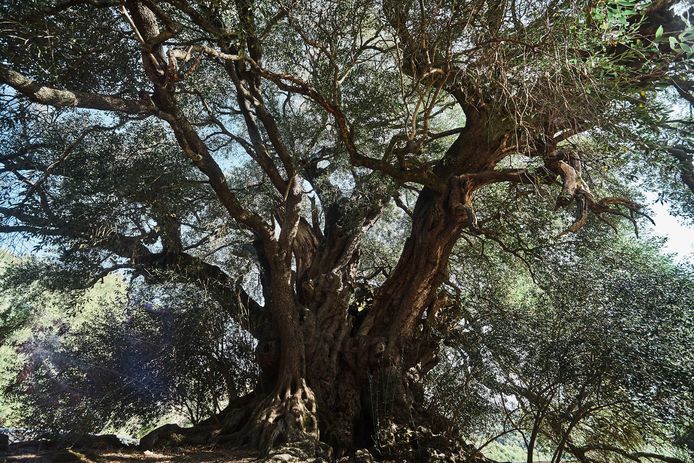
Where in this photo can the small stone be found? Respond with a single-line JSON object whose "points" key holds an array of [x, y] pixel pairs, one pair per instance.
{"points": [[283, 457]]}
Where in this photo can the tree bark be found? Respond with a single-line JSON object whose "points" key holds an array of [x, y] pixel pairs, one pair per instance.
{"points": [[411, 289]]}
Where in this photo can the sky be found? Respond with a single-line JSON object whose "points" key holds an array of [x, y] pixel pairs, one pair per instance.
{"points": [[680, 237]]}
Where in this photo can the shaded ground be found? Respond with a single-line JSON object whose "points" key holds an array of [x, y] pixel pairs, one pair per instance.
{"points": [[38, 455], [108, 448]]}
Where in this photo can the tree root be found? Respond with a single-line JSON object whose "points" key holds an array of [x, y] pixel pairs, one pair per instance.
{"points": [[284, 427], [287, 417]]}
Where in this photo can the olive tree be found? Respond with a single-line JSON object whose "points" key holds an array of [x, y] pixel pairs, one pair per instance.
{"points": [[203, 139]]}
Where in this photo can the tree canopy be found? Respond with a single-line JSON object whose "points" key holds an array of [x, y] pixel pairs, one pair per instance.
{"points": [[320, 176]]}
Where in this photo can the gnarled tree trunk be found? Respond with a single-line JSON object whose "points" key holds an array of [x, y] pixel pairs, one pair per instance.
{"points": [[329, 376]]}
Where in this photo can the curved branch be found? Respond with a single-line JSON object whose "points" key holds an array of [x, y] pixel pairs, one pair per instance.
{"points": [[187, 137], [44, 94], [290, 83], [568, 167]]}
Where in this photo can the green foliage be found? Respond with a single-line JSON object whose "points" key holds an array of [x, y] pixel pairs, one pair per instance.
{"points": [[595, 349], [86, 50], [12, 316], [111, 358], [511, 448]]}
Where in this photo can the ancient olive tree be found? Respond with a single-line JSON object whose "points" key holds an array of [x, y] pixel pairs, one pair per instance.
{"points": [[249, 147]]}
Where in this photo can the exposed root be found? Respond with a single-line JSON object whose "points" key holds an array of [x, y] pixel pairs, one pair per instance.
{"points": [[284, 427], [172, 435], [211, 431], [288, 416]]}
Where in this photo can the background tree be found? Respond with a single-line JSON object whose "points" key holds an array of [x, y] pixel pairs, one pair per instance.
{"points": [[107, 359], [191, 141], [603, 376]]}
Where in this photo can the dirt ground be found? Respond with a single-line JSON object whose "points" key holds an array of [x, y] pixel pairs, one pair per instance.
{"points": [[125, 456]]}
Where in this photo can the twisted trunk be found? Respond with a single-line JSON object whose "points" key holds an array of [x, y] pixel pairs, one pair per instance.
{"points": [[329, 379]]}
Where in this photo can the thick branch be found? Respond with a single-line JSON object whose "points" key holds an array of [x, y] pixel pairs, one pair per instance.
{"points": [[227, 291], [41, 93], [193, 146], [262, 156]]}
